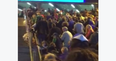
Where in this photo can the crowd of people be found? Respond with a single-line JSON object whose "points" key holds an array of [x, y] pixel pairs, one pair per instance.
{"points": [[66, 36]]}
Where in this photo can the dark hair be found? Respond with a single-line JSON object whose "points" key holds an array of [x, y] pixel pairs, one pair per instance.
{"points": [[82, 55], [76, 43], [65, 24], [96, 29], [53, 25]]}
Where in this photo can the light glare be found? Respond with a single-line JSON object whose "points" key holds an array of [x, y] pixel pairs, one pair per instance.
{"points": [[72, 5], [51, 4], [28, 3]]}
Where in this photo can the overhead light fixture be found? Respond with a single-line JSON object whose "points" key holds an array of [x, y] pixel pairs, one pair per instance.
{"points": [[20, 9], [57, 9], [51, 4], [35, 7], [28, 3], [77, 10], [45, 10], [72, 5], [92, 5]]}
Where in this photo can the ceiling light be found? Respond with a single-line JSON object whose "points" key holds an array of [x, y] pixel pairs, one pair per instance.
{"points": [[92, 5], [77, 10], [57, 9], [35, 7], [20, 9], [72, 5], [45, 10], [51, 4], [28, 3]]}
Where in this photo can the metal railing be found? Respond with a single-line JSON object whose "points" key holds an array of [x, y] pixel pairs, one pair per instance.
{"points": [[30, 34]]}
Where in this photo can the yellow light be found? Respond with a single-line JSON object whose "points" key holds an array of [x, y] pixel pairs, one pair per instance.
{"points": [[24, 22]]}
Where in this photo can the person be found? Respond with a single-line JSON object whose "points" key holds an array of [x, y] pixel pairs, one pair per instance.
{"points": [[77, 44], [64, 54], [51, 57], [78, 28], [90, 22], [53, 30], [82, 55], [49, 16], [89, 31], [42, 30], [79, 32], [66, 36], [71, 24], [58, 43], [59, 24], [43, 48], [50, 22], [65, 23], [94, 38], [34, 19], [78, 37], [39, 17]]}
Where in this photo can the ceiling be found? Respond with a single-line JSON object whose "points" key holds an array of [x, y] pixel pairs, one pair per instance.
{"points": [[60, 6]]}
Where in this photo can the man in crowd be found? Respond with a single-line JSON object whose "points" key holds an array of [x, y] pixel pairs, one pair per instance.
{"points": [[66, 36]]}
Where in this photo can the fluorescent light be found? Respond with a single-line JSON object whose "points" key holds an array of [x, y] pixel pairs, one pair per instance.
{"points": [[57, 9], [51, 4], [92, 5], [20, 9], [28, 3], [45, 10], [77, 10], [72, 5], [35, 7]]}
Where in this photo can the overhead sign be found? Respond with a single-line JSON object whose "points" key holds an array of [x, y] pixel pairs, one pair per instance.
{"points": [[75, 1]]}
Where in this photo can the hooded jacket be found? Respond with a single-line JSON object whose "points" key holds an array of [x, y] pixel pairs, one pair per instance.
{"points": [[66, 37], [79, 28]]}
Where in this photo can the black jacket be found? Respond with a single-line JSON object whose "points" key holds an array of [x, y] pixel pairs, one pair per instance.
{"points": [[42, 27]]}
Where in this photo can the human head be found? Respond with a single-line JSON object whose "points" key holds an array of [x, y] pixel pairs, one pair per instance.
{"points": [[96, 29], [33, 16], [76, 43], [53, 25], [38, 13], [50, 57], [64, 49], [64, 28], [82, 55], [50, 20], [79, 28], [89, 27], [70, 18], [65, 23], [43, 43], [48, 13]]}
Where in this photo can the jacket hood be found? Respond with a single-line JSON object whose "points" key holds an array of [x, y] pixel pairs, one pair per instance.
{"points": [[80, 37], [79, 28]]}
